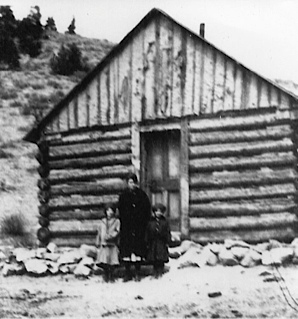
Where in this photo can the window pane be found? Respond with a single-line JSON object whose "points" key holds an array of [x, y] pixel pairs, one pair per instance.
{"points": [[174, 205], [156, 160], [174, 157]]}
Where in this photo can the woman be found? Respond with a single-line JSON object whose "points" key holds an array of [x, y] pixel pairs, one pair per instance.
{"points": [[135, 212]]}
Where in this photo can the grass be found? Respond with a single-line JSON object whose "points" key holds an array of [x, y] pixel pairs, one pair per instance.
{"points": [[13, 225]]}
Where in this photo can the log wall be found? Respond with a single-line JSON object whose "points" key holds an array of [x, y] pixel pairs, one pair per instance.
{"points": [[80, 173], [166, 71], [243, 173]]}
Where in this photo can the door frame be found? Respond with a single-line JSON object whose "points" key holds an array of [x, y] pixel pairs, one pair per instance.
{"points": [[139, 160]]}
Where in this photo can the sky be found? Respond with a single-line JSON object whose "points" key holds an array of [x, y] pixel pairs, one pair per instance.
{"points": [[261, 34]]}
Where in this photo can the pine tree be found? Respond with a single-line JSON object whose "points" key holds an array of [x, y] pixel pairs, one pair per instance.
{"points": [[9, 55], [50, 25], [30, 33], [72, 27]]}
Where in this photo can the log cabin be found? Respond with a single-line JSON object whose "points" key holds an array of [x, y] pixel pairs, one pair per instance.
{"points": [[211, 139]]}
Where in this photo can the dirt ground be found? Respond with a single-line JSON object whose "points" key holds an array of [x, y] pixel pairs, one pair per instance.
{"points": [[207, 292]]}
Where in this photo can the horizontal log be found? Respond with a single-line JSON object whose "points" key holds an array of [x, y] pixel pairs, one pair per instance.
{"points": [[42, 157], [230, 193], [73, 241], [242, 178], [43, 184], [76, 201], [92, 162], [234, 163], [105, 186], [73, 227], [251, 207], [282, 234], [43, 170], [77, 214], [90, 149], [44, 210], [219, 137], [43, 221], [263, 221], [240, 122], [240, 149], [91, 136], [43, 234], [80, 175]]}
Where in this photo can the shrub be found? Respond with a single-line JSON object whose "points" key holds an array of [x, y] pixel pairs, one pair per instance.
{"points": [[21, 84], [16, 103], [14, 225], [68, 60], [8, 94]]}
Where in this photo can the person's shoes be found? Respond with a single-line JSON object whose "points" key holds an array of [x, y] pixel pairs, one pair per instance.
{"points": [[127, 278]]}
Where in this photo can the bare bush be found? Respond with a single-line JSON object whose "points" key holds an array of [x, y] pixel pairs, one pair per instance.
{"points": [[14, 225]]}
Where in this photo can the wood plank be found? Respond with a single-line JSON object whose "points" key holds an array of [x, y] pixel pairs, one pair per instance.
{"points": [[93, 107], [92, 162], [235, 163], [177, 61], [208, 80], [241, 122], [229, 85], [78, 214], [240, 149], [89, 149], [110, 186], [244, 207], [219, 84], [76, 175], [81, 202], [219, 137], [244, 178], [149, 62], [118, 133], [230, 193], [184, 179], [262, 221], [283, 234], [137, 73]]}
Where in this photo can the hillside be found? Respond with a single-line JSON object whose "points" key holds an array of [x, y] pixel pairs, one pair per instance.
{"points": [[19, 92]]}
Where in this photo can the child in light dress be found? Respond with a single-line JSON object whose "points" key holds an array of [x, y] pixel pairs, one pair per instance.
{"points": [[107, 242]]}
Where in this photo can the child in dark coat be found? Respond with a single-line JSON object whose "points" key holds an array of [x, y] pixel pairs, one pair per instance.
{"points": [[158, 237]]}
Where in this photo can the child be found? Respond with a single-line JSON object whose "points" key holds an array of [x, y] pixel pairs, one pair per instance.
{"points": [[106, 240], [158, 237]]}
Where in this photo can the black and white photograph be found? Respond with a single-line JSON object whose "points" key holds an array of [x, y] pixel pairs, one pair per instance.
{"points": [[148, 159]]}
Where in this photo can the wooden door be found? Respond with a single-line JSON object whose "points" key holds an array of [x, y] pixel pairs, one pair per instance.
{"points": [[161, 169]]}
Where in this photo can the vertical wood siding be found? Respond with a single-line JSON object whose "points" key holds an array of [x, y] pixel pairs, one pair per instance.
{"points": [[163, 72]]}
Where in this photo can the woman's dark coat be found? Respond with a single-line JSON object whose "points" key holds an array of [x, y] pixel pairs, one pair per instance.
{"points": [[135, 211], [158, 237]]}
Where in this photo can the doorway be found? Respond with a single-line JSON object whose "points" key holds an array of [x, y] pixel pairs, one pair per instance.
{"points": [[161, 171]]}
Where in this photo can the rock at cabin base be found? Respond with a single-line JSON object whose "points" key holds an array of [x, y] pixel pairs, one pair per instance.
{"points": [[227, 258], [190, 258], [252, 258], [36, 266], [82, 270], [88, 251]]}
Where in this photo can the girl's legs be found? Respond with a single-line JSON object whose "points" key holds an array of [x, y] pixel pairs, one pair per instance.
{"points": [[111, 273], [106, 276]]}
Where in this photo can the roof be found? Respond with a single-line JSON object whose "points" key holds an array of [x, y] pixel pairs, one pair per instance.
{"points": [[34, 134]]}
